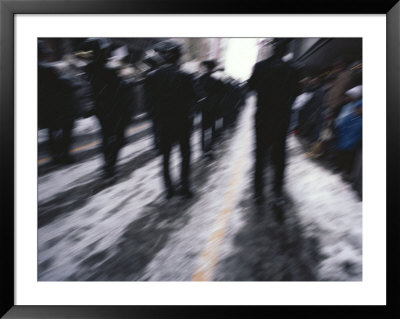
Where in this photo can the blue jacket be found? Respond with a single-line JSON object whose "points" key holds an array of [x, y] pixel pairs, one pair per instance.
{"points": [[349, 131]]}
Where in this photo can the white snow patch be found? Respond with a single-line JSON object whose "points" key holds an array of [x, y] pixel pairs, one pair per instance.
{"points": [[63, 179], [178, 260], [82, 126], [330, 211], [97, 223]]}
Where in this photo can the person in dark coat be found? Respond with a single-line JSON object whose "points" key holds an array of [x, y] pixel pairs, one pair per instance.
{"points": [[111, 101], [231, 104], [172, 96], [209, 106], [154, 61], [311, 113], [276, 85], [56, 106]]}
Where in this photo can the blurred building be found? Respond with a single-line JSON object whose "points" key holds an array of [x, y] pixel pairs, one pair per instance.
{"points": [[315, 55], [322, 52], [200, 49], [264, 49]]}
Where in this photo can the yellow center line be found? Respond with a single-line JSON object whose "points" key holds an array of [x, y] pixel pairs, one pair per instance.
{"points": [[135, 129], [80, 148], [210, 255], [89, 145]]}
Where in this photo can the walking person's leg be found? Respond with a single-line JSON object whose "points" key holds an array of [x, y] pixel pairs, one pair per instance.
{"points": [[52, 143], [106, 132], [259, 163], [278, 158], [184, 143], [203, 132], [166, 152], [66, 141]]}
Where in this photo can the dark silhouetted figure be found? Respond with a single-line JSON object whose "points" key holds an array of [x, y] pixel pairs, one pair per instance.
{"points": [[171, 94], [56, 106], [209, 106], [276, 84], [232, 103], [310, 115], [111, 101], [154, 60]]}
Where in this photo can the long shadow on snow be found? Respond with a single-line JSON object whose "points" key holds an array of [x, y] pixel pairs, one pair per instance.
{"points": [[271, 246], [83, 155], [146, 236], [75, 197]]}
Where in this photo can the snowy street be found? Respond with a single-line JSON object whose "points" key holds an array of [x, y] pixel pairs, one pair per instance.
{"points": [[89, 230]]}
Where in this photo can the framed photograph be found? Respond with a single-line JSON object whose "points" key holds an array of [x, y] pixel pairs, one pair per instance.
{"points": [[162, 159]]}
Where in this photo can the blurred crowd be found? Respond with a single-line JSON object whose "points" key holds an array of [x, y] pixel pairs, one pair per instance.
{"points": [[95, 82], [324, 109], [327, 117]]}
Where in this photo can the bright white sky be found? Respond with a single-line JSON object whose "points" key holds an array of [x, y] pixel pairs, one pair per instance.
{"points": [[241, 55]]}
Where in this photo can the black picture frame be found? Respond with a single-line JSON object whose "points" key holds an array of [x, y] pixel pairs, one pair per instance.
{"points": [[9, 8]]}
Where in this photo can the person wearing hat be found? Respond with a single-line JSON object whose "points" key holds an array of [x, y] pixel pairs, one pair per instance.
{"points": [[212, 88], [153, 60], [348, 131], [343, 81], [276, 85], [112, 107], [56, 105], [172, 96], [336, 98]]}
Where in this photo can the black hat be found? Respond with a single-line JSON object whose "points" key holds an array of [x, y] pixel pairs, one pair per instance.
{"points": [[281, 42], [280, 45], [169, 50], [209, 64], [153, 59]]}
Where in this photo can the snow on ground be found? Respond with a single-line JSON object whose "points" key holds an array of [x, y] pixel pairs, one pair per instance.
{"points": [[42, 136], [98, 225], [61, 180], [100, 222], [243, 167], [191, 240], [82, 126], [330, 211], [65, 178], [327, 208]]}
